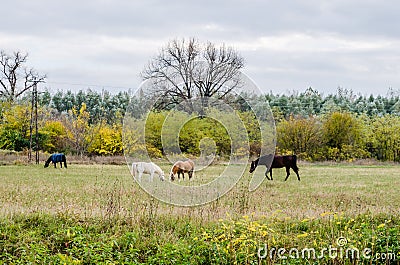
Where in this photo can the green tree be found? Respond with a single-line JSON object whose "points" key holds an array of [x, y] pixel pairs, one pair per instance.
{"points": [[14, 127], [385, 135], [154, 124], [343, 137], [300, 136], [196, 129], [53, 136], [79, 132]]}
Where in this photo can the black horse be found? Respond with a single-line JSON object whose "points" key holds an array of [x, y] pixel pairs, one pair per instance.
{"points": [[56, 158], [288, 161]]}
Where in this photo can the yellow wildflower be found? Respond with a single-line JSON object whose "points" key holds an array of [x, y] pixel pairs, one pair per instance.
{"points": [[326, 213], [302, 235]]}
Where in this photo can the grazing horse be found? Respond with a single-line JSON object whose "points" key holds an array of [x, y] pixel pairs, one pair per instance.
{"points": [[288, 161], [138, 168], [181, 167], [56, 158]]}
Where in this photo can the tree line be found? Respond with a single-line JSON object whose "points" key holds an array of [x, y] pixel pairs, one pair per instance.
{"points": [[340, 126], [312, 103]]}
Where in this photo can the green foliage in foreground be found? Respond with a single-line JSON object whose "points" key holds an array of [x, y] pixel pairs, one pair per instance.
{"points": [[63, 239]]}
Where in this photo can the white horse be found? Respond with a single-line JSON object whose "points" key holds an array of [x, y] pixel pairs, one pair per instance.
{"points": [[138, 168]]}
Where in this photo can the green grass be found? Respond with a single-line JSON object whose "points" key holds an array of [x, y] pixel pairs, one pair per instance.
{"points": [[91, 214], [93, 191]]}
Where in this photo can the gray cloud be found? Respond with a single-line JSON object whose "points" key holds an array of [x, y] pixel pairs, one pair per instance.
{"points": [[287, 44]]}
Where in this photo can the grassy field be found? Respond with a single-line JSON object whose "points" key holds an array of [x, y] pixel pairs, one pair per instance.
{"points": [[97, 214], [90, 191]]}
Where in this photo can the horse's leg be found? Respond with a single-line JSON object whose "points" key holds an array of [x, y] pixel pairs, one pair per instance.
{"points": [[287, 172], [266, 174], [296, 170], [65, 163], [140, 176], [55, 165], [160, 176], [61, 164], [151, 176]]}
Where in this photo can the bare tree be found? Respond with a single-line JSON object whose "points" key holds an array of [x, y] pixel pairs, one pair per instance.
{"points": [[15, 77], [187, 69]]}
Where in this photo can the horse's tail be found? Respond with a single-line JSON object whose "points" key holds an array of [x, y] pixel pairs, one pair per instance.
{"points": [[295, 162], [65, 160]]}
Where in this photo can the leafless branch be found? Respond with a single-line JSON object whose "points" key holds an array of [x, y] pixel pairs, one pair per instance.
{"points": [[185, 69], [15, 78]]}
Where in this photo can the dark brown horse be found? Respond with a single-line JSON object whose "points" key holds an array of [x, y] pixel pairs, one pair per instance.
{"points": [[288, 161], [181, 167]]}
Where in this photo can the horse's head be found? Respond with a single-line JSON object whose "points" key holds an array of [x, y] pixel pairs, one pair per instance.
{"points": [[172, 175], [46, 164], [190, 173], [162, 176], [253, 166]]}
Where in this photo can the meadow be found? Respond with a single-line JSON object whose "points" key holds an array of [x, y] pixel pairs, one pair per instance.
{"points": [[97, 214]]}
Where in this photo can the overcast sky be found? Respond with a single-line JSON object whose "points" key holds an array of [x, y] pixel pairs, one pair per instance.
{"points": [[287, 45]]}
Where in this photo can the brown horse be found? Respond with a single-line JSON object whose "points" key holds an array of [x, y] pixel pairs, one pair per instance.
{"points": [[181, 167], [288, 162]]}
